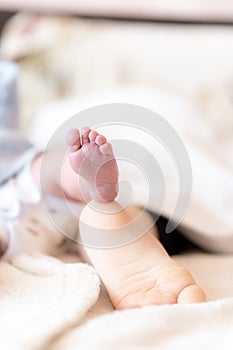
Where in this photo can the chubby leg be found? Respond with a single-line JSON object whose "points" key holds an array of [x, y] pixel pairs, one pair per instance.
{"points": [[140, 273]]}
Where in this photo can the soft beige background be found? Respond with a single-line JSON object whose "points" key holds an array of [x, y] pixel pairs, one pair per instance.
{"points": [[62, 57], [173, 9]]}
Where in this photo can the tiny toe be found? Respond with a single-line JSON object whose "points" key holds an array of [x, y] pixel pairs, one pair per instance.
{"points": [[73, 140], [92, 136], [106, 148], [85, 134], [100, 139], [191, 294]]}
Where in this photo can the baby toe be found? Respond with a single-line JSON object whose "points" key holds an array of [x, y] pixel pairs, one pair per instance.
{"points": [[92, 135], [85, 135], [106, 148], [100, 140], [73, 140]]}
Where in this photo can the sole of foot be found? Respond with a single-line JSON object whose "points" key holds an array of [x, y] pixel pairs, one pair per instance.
{"points": [[92, 158]]}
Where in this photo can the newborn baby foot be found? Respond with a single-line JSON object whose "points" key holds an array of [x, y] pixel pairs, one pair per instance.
{"points": [[140, 273], [92, 158]]}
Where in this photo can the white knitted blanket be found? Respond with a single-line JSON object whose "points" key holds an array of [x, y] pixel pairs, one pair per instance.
{"points": [[48, 304]]}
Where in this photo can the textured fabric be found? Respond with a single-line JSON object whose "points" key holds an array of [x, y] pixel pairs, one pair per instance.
{"points": [[40, 297], [165, 327]]}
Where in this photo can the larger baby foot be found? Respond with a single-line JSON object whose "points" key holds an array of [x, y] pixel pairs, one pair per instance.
{"points": [[140, 273], [91, 157]]}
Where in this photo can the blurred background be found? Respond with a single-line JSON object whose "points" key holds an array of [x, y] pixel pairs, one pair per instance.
{"points": [[79, 48], [173, 56]]}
